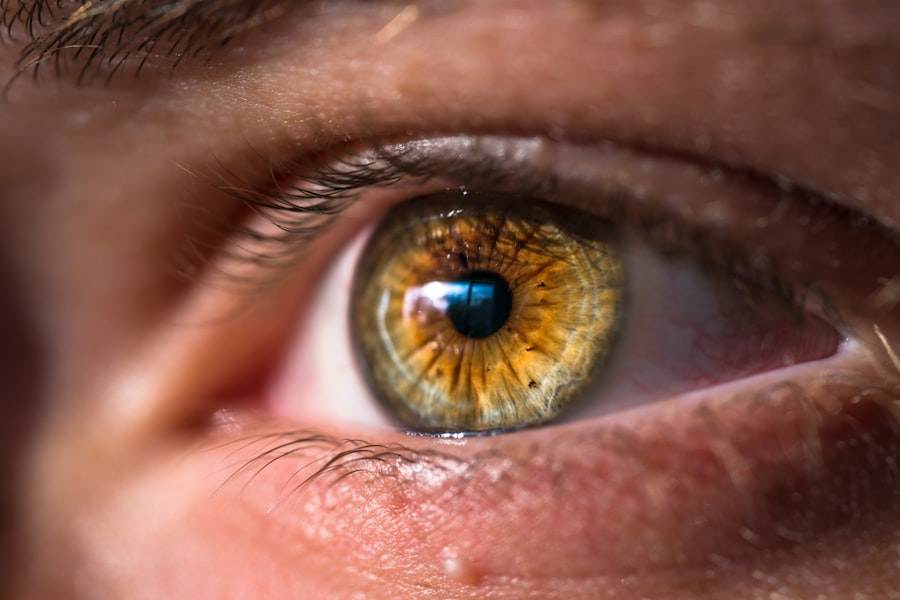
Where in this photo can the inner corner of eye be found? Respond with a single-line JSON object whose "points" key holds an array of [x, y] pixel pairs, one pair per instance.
{"points": [[473, 315]]}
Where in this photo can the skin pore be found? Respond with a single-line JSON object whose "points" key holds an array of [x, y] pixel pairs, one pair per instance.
{"points": [[124, 477]]}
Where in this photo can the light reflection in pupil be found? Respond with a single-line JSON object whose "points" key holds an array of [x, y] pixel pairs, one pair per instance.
{"points": [[478, 303]]}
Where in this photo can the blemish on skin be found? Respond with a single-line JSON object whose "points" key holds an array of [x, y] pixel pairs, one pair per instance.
{"points": [[458, 569]]}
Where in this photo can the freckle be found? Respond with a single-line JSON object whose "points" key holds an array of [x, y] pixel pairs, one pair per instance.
{"points": [[459, 569], [532, 384]]}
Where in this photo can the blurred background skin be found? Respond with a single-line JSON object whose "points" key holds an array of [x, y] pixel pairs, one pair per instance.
{"points": [[105, 402]]}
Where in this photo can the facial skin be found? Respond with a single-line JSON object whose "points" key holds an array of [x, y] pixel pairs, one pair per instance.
{"points": [[126, 479]]}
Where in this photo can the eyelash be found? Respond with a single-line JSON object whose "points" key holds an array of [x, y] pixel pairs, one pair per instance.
{"points": [[336, 459], [322, 187], [329, 460]]}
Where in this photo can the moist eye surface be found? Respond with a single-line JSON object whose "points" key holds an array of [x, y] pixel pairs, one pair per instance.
{"points": [[484, 312]]}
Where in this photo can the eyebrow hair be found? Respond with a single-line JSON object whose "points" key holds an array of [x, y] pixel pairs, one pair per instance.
{"points": [[97, 38]]}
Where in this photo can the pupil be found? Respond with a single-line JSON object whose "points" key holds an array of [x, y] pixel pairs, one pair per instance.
{"points": [[479, 303]]}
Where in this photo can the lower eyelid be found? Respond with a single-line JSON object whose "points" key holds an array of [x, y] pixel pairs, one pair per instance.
{"points": [[770, 467]]}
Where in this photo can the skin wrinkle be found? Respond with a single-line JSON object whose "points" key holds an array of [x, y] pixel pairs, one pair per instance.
{"points": [[297, 213]]}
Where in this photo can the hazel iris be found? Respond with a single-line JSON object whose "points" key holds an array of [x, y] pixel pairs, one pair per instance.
{"points": [[484, 312]]}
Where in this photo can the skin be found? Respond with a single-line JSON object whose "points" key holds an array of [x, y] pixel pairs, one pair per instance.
{"points": [[123, 475]]}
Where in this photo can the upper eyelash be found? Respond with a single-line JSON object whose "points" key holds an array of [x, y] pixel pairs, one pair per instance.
{"points": [[319, 192], [98, 38], [322, 187]]}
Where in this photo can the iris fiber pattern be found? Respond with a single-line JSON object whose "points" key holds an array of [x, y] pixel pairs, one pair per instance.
{"points": [[484, 312]]}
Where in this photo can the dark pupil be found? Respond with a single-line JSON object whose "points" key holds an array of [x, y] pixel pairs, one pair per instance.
{"points": [[479, 303]]}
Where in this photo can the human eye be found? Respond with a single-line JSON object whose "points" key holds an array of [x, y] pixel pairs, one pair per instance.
{"points": [[480, 306], [729, 345]]}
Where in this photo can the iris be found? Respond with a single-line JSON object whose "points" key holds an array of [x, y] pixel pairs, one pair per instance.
{"points": [[483, 312]]}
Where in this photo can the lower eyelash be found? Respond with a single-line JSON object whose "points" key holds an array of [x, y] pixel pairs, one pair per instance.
{"points": [[331, 459], [852, 450]]}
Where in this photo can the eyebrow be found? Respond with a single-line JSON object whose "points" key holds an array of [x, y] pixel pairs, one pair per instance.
{"points": [[97, 38]]}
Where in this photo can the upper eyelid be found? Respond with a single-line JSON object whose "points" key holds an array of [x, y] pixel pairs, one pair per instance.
{"points": [[301, 200], [298, 200]]}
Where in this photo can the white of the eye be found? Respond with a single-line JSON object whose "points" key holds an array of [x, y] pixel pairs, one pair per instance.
{"points": [[320, 383]]}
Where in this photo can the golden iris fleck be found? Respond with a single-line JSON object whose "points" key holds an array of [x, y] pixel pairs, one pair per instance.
{"points": [[484, 312]]}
